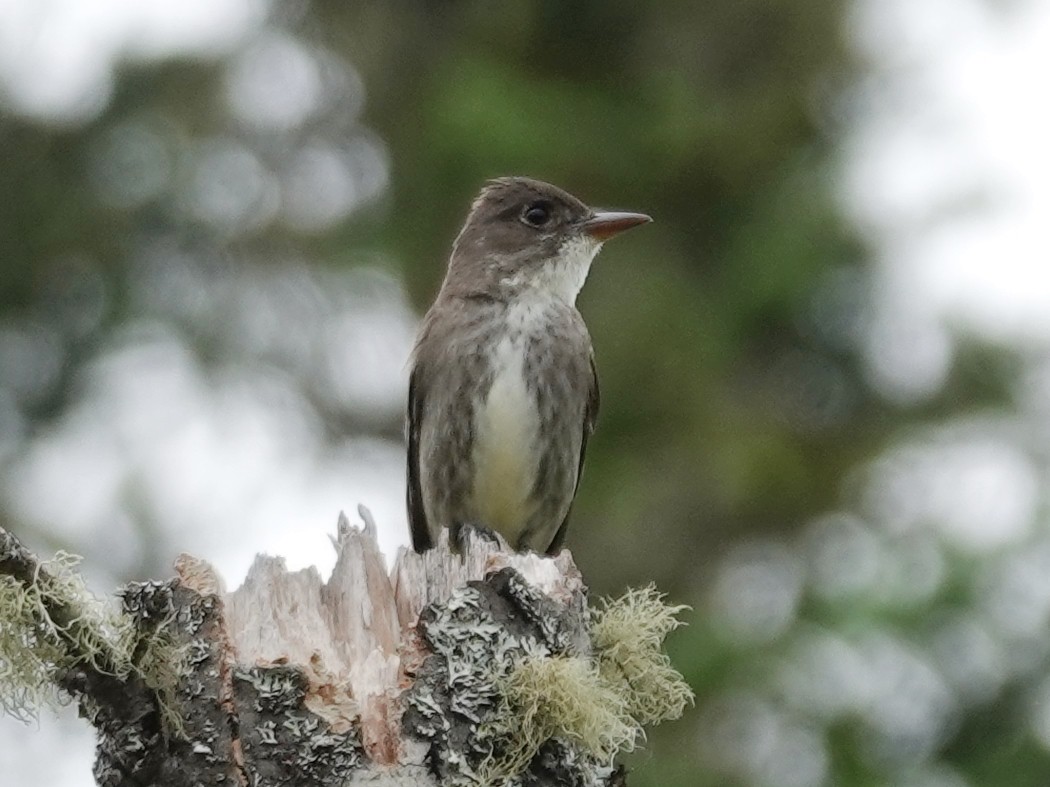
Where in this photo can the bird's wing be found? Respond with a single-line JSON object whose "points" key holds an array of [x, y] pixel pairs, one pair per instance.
{"points": [[590, 417], [417, 518]]}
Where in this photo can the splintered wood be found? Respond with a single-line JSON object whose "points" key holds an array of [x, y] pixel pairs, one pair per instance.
{"points": [[354, 636]]}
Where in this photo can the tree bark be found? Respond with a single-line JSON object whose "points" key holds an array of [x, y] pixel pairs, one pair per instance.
{"points": [[399, 678]]}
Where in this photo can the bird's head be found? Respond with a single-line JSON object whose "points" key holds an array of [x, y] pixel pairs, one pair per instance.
{"points": [[523, 235]]}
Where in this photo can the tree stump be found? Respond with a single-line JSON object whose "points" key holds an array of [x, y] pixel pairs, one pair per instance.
{"points": [[481, 668]]}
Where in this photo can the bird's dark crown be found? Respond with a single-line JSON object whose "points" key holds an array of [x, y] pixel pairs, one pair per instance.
{"points": [[533, 203]]}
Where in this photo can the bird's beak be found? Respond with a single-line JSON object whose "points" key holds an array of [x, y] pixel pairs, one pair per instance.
{"points": [[604, 224]]}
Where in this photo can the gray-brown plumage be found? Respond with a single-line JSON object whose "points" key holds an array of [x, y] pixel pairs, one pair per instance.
{"points": [[503, 392]]}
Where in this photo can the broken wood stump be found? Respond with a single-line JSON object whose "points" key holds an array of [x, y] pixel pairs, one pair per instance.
{"points": [[481, 668]]}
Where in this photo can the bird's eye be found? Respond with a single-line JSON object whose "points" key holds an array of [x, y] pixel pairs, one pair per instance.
{"points": [[537, 214]]}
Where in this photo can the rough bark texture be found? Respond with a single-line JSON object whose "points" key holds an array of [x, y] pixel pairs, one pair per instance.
{"points": [[369, 678]]}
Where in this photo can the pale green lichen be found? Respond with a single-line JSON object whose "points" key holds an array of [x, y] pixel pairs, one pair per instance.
{"points": [[600, 704], [35, 649], [27, 655], [150, 653], [558, 696], [628, 635]]}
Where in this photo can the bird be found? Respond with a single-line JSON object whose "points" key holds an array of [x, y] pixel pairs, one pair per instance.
{"points": [[503, 390]]}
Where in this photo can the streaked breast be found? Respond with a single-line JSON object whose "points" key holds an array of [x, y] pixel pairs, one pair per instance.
{"points": [[505, 456]]}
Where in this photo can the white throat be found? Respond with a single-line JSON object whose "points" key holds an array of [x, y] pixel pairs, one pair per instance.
{"points": [[561, 278]]}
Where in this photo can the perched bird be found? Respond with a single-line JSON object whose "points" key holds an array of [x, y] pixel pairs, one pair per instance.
{"points": [[503, 392]]}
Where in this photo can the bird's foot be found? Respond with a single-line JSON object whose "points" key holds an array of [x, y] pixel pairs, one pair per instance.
{"points": [[460, 532]]}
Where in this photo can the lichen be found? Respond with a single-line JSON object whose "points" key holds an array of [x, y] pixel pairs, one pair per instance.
{"points": [[147, 644], [34, 648], [475, 638], [599, 704], [280, 737], [628, 635], [28, 657], [564, 697]]}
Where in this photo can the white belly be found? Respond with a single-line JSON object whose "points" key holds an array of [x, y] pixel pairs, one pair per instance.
{"points": [[504, 450]]}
